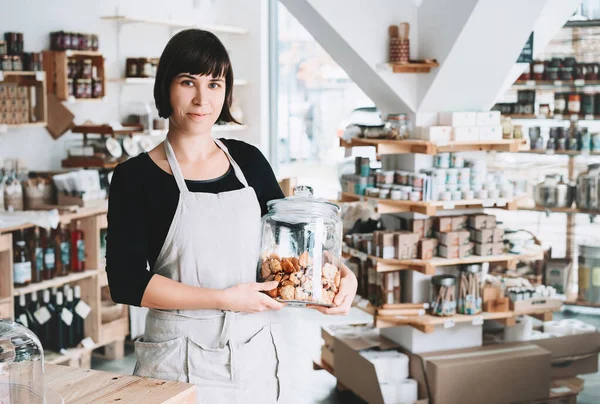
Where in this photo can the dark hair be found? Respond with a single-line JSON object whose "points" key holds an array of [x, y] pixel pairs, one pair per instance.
{"points": [[193, 51]]}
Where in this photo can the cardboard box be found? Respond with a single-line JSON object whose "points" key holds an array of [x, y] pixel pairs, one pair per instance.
{"points": [[497, 248], [490, 118], [329, 332], [436, 134], [459, 222], [499, 305], [498, 235], [406, 245], [327, 356], [428, 228], [466, 134], [482, 236], [457, 119], [466, 250], [414, 226], [454, 238], [427, 248], [536, 303], [482, 222], [484, 249], [384, 244], [442, 224], [490, 133], [358, 374], [462, 335], [502, 374], [448, 251]]}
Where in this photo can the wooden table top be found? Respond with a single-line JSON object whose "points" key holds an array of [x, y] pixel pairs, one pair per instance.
{"points": [[83, 386]]}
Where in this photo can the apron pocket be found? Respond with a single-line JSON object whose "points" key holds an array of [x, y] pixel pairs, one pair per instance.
{"points": [[208, 364], [257, 357], [160, 360]]}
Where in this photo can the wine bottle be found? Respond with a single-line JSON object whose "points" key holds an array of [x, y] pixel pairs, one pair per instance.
{"points": [[81, 312], [70, 329], [22, 317], [49, 258], [48, 329], [21, 262], [77, 248], [33, 306], [65, 250], [37, 256], [61, 325]]}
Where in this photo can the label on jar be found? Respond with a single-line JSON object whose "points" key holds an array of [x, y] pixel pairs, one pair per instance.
{"points": [[22, 272], [579, 82], [80, 250], [42, 315], [39, 259], [66, 316], [538, 68], [65, 253], [82, 309], [574, 106], [49, 259], [23, 320]]}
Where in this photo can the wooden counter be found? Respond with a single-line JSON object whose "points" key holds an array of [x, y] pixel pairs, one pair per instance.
{"points": [[85, 386]]}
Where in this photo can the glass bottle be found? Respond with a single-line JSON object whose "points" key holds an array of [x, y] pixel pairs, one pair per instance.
{"points": [[47, 329], [55, 235], [37, 256], [49, 248], [21, 262], [61, 326], [32, 307], [77, 248], [78, 321], [65, 250], [70, 330]]}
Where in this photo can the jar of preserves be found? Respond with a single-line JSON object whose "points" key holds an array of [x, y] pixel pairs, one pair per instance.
{"points": [[560, 103], [3, 48], [86, 69], [574, 104], [131, 67], [74, 41], [67, 40], [591, 73], [97, 87], [301, 249], [79, 88], [6, 62], [538, 70], [17, 63], [70, 88], [146, 67], [95, 42]]}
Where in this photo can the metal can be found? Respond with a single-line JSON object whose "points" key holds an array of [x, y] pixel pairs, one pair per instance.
{"points": [[17, 63], [442, 160]]}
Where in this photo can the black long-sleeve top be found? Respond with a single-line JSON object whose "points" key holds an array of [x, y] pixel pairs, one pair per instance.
{"points": [[143, 199]]}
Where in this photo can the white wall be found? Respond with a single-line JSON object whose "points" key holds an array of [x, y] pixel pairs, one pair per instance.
{"points": [[37, 18]]}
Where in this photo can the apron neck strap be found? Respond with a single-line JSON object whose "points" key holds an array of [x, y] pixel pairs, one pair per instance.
{"points": [[176, 169]]}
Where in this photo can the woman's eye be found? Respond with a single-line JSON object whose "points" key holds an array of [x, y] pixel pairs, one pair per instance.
{"points": [[214, 85], [188, 83]]}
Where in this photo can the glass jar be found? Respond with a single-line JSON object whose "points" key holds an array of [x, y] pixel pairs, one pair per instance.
{"points": [[574, 104], [17, 63], [469, 291], [86, 70], [560, 103], [146, 70], [97, 88], [301, 249], [587, 104], [22, 366], [397, 126], [3, 48], [443, 301], [131, 67], [6, 63], [538, 70]]}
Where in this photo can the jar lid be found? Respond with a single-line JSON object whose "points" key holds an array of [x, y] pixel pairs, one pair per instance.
{"points": [[304, 202], [443, 280], [473, 268]]}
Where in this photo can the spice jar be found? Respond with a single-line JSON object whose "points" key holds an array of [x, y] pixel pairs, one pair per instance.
{"points": [[469, 292], [3, 48], [587, 104], [392, 126], [443, 295], [591, 72], [86, 69], [538, 70], [560, 103], [17, 63], [301, 249], [132, 67], [146, 67], [574, 104], [97, 87], [6, 62]]}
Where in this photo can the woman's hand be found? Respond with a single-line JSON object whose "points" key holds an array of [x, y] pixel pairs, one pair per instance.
{"points": [[248, 298], [343, 300]]}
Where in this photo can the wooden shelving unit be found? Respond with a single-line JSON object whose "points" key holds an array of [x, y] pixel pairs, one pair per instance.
{"points": [[57, 69], [387, 146], [412, 67], [571, 153], [56, 282], [38, 102], [428, 267], [216, 28], [554, 84], [430, 208]]}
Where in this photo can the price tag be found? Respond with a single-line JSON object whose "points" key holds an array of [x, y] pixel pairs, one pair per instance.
{"points": [[426, 306], [39, 76], [579, 82], [574, 117], [589, 117], [449, 323], [42, 315], [23, 320], [530, 83], [560, 390], [558, 117], [66, 316], [3, 128], [488, 203], [88, 343], [501, 202], [478, 320], [82, 309], [1, 75], [558, 83], [449, 205], [550, 152]]}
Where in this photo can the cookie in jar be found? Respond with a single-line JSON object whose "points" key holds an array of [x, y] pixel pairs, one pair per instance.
{"points": [[301, 249]]}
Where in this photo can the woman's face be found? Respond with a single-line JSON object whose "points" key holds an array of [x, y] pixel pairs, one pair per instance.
{"points": [[196, 101]]}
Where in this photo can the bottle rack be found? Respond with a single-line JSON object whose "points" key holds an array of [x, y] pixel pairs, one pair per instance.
{"points": [[93, 285]]}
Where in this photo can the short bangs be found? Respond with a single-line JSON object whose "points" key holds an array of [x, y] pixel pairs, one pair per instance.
{"points": [[196, 52]]}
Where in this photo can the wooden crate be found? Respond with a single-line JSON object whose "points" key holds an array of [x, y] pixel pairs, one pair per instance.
{"points": [[57, 68], [6, 277], [38, 101]]}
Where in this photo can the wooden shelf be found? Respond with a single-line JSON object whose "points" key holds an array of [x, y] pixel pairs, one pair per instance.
{"points": [[562, 152], [65, 218], [555, 118], [560, 210], [56, 282], [430, 208], [387, 146], [37, 99], [5, 127], [555, 84], [216, 28], [412, 67], [88, 162], [57, 69], [428, 267], [75, 53], [7, 73], [427, 323]]}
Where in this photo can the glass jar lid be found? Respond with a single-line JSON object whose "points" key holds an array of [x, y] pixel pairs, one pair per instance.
{"points": [[302, 206], [443, 280]]}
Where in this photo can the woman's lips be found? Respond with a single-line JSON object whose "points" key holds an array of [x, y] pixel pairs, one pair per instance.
{"points": [[196, 117]]}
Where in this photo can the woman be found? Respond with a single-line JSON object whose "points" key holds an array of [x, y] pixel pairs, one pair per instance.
{"points": [[191, 209]]}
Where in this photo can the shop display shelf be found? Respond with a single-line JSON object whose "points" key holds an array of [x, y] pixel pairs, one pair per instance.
{"points": [[88, 162], [388, 146], [554, 84], [429, 208], [56, 282], [216, 28], [563, 152], [76, 357], [38, 100], [427, 267], [554, 118], [427, 322], [57, 69], [65, 218], [560, 210], [414, 66], [73, 100]]}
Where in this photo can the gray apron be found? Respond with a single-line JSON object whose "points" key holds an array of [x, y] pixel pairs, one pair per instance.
{"points": [[213, 242]]}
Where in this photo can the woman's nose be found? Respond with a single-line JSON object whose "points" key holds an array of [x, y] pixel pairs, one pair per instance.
{"points": [[200, 97]]}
